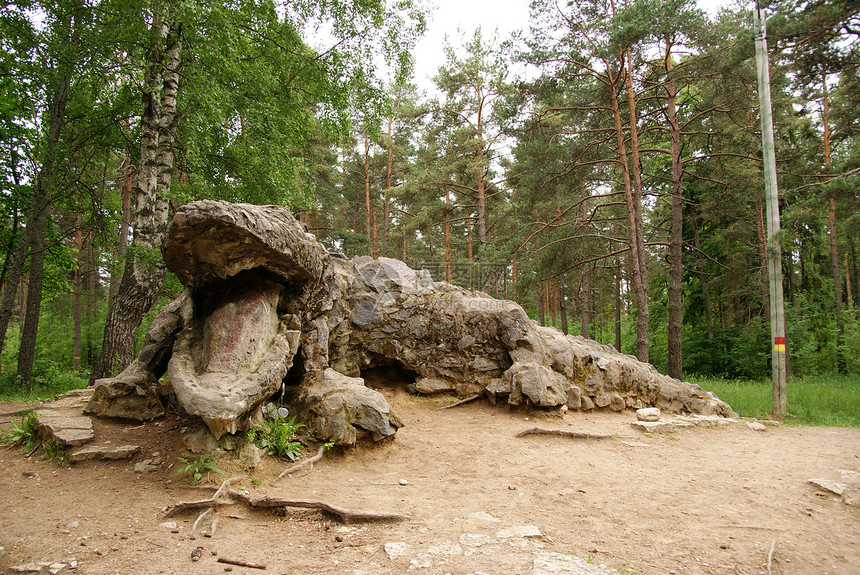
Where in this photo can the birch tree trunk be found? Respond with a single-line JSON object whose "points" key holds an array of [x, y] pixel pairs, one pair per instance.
{"points": [[144, 270]]}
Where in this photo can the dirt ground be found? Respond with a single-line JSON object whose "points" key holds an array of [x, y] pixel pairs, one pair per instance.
{"points": [[705, 500]]}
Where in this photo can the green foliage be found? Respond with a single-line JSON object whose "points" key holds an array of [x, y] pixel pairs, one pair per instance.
{"points": [[23, 431], [54, 451], [278, 436], [821, 400], [196, 468]]}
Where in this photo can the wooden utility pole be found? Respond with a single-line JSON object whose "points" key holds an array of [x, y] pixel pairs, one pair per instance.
{"points": [[774, 252]]}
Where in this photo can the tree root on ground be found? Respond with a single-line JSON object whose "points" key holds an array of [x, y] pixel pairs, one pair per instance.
{"points": [[268, 502], [461, 402], [309, 461], [563, 433]]}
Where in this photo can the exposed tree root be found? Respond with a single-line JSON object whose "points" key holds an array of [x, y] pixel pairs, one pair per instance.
{"points": [[212, 528], [204, 503], [199, 520], [461, 402], [342, 514], [563, 433], [309, 461]]}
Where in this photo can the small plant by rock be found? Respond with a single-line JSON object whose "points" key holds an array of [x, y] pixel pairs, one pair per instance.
{"points": [[196, 468], [23, 431], [279, 437]]}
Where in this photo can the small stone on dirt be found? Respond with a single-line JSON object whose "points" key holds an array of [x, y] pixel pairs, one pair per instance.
{"points": [[483, 516], [475, 539], [145, 466], [524, 531], [547, 563], [756, 426], [393, 549], [648, 414], [403, 482], [831, 486], [168, 524], [445, 548]]}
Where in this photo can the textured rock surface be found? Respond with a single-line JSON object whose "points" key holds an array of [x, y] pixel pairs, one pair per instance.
{"points": [[340, 408], [133, 394], [62, 420], [229, 361], [210, 240], [103, 452], [260, 292]]}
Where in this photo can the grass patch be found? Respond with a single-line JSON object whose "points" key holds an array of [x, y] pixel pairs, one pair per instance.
{"points": [[815, 400], [49, 380]]}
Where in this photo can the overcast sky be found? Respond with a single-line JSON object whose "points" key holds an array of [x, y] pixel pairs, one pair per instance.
{"points": [[502, 15]]}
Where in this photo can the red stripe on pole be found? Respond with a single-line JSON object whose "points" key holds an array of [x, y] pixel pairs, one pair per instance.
{"points": [[779, 341]]}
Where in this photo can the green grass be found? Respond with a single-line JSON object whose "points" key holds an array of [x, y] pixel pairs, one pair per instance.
{"points": [[49, 380], [820, 400]]}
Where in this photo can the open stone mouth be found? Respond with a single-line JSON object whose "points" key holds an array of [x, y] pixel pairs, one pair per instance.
{"points": [[234, 351], [265, 302]]}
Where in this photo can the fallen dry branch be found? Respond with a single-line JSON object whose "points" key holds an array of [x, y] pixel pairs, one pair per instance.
{"points": [[343, 514], [209, 503], [770, 557], [309, 461], [241, 563], [461, 402], [32, 451], [563, 433]]}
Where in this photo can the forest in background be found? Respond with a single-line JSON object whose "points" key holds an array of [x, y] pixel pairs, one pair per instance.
{"points": [[602, 168]]}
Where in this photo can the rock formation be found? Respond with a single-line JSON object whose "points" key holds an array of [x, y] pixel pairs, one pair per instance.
{"points": [[266, 309]]}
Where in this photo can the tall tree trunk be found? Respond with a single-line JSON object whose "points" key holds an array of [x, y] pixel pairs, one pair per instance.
{"points": [[447, 234], [125, 221], [618, 280], [387, 206], [584, 293], [562, 305], [367, 230], [76, 295], [144, 270], [706, 289], [676, 241], [37, 220], [540, 302], [10, 247], [834, 244], [640, 286], [92, 301], [480, 176]]}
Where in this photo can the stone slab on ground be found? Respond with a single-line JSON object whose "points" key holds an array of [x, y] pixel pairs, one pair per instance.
{"points": [[548, 563], [654, 426], [707, 420], [70, 430], [102, 452], [63, 420]]}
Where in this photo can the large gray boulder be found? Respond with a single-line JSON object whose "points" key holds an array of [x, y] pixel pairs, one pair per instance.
{"points": [[262, 295]]}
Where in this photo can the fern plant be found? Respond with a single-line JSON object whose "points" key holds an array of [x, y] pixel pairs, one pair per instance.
{"points": [[278, 436]]}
